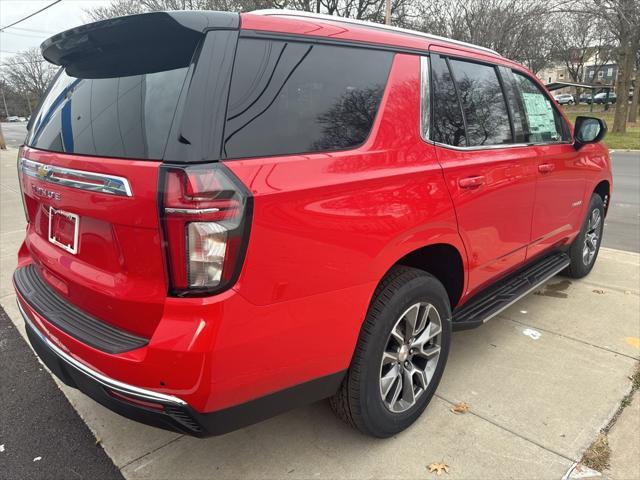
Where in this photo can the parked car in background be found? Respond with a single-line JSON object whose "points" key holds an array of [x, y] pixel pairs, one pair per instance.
{"points": [[13, 119], [585, 98], [602, 97], [565, 99], [249, 212]]}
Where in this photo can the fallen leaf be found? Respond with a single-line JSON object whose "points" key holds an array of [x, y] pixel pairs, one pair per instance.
{"points": [[439, 468], [460, 407], [598, 291]]}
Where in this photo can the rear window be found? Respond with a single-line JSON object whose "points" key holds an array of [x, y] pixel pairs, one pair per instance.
{"points": [[128, 116], [295, 97], [484, 106], [448, 123]]}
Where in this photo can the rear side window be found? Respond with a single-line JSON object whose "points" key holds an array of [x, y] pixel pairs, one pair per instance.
{"points": [[448, 123], [294, 97], [483, 104], [543, 123], [127, 116]]}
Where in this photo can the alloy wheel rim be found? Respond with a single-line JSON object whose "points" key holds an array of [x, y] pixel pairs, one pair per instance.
{"points": [[410, 357], [592, 237]]}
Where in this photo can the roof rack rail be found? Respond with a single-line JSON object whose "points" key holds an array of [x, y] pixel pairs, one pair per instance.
{"points": [[334, 18]]}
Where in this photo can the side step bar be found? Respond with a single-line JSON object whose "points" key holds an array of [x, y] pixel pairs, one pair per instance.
{"points": [[495, 299]]}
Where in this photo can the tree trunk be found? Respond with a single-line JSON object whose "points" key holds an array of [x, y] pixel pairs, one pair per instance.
{"points": [[633, 108], [626, 58]]}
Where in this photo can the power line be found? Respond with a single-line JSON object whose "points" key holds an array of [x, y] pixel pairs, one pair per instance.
{"points": [[24, 34], [31, 15]]}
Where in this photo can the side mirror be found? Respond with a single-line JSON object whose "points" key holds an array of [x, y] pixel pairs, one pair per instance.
{"points": [[588, 130]]}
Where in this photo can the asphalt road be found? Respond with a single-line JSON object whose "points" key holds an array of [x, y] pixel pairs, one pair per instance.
{"points": [[622, 226], [623, 221], [41, 435], [14, 133]]}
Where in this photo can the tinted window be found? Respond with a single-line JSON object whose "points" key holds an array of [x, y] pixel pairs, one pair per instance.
{"points": [[448, 124], [290, 97], [514, 102], [117, 117], [544, 123], [485, 110]]}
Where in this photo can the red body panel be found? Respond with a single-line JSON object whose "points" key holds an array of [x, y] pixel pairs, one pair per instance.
{"points": [[118, 273], [325, 229]]}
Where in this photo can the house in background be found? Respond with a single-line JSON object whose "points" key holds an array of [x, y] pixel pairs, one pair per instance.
{"points": [[605, 75]]}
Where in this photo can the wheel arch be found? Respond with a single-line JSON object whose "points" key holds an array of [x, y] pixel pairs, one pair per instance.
{"points": [[442, 260], [603, 189]]}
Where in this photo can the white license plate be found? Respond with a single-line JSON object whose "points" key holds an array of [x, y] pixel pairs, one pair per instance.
{"points": [[63, 229]]}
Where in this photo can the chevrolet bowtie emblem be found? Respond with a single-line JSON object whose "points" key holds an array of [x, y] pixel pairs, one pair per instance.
{"points": [[43, 171]]}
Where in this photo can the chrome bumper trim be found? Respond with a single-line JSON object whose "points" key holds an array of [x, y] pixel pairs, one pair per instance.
{"points": [[82, 180], [105, 381]]}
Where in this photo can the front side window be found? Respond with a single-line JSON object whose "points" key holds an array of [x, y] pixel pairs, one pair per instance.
{"points": [[295, 97], [544, 123], [483, 104]]}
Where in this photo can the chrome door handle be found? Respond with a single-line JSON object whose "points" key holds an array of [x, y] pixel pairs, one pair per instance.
{"points": [[546, 167], [471, 182]]}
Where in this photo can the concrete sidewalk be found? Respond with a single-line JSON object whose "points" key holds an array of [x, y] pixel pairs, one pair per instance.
{"points": [[541, 380]]}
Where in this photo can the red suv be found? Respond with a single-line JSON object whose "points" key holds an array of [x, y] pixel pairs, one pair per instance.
{"points": [[230, 215]]}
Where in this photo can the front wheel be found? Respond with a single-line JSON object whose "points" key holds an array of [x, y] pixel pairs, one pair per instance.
{"points": [[584, 249], [400, 356]]}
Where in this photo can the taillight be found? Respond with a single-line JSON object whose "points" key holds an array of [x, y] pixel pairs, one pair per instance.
{"points": [[206, 213], [20, 180]]}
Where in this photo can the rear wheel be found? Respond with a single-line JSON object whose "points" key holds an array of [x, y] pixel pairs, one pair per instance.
{"points": [[400, 356], [584, 249]]}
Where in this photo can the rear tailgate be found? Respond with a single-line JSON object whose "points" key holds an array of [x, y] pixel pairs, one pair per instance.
{"points": [[114, 269], [90, 170]]}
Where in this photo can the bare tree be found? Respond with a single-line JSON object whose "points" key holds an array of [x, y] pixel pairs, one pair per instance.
{"points": [[572, 38], [633, 108], [622, 19], [517, 29], [372, 10], [28, 74]]}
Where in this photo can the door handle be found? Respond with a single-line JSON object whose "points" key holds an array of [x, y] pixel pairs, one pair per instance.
{"points": [[546, 167], [471, 182]]}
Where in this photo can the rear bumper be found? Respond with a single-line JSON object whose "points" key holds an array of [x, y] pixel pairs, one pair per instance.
{"points": [[165, 411]]}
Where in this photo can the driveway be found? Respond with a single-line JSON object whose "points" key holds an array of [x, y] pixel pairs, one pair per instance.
{"points": [[540, 379]]}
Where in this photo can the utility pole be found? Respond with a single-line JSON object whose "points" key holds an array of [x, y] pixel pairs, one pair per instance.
{"points": [[4, 100], [387, 16]]}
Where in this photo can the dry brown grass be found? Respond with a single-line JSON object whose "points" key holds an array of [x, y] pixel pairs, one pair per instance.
{"points": [[598, 454]]}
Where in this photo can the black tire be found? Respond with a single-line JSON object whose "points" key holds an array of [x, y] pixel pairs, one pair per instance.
{"points": [[359, 400], [581, 262]]}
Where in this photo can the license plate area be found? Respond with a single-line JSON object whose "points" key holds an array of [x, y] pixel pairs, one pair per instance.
{"points": [[63, 229]]}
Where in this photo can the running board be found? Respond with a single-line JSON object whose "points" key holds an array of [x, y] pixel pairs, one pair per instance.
{"points": [[495, 299]]}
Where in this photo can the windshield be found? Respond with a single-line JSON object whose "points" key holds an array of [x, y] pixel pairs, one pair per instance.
{"points": [[126, 117]]}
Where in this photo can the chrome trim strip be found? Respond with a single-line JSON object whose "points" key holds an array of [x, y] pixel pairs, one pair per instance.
{"points": [[483, 147], [548, 277], [191, 211], [332, 18], [425, 98], [112, 184], [98, 377]]}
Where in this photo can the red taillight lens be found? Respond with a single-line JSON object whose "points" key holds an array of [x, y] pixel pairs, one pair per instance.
{"points": [[205, 213], [20, 181]]}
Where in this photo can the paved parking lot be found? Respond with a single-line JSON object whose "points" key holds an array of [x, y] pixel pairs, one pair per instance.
{"points": [[541, 380]]}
